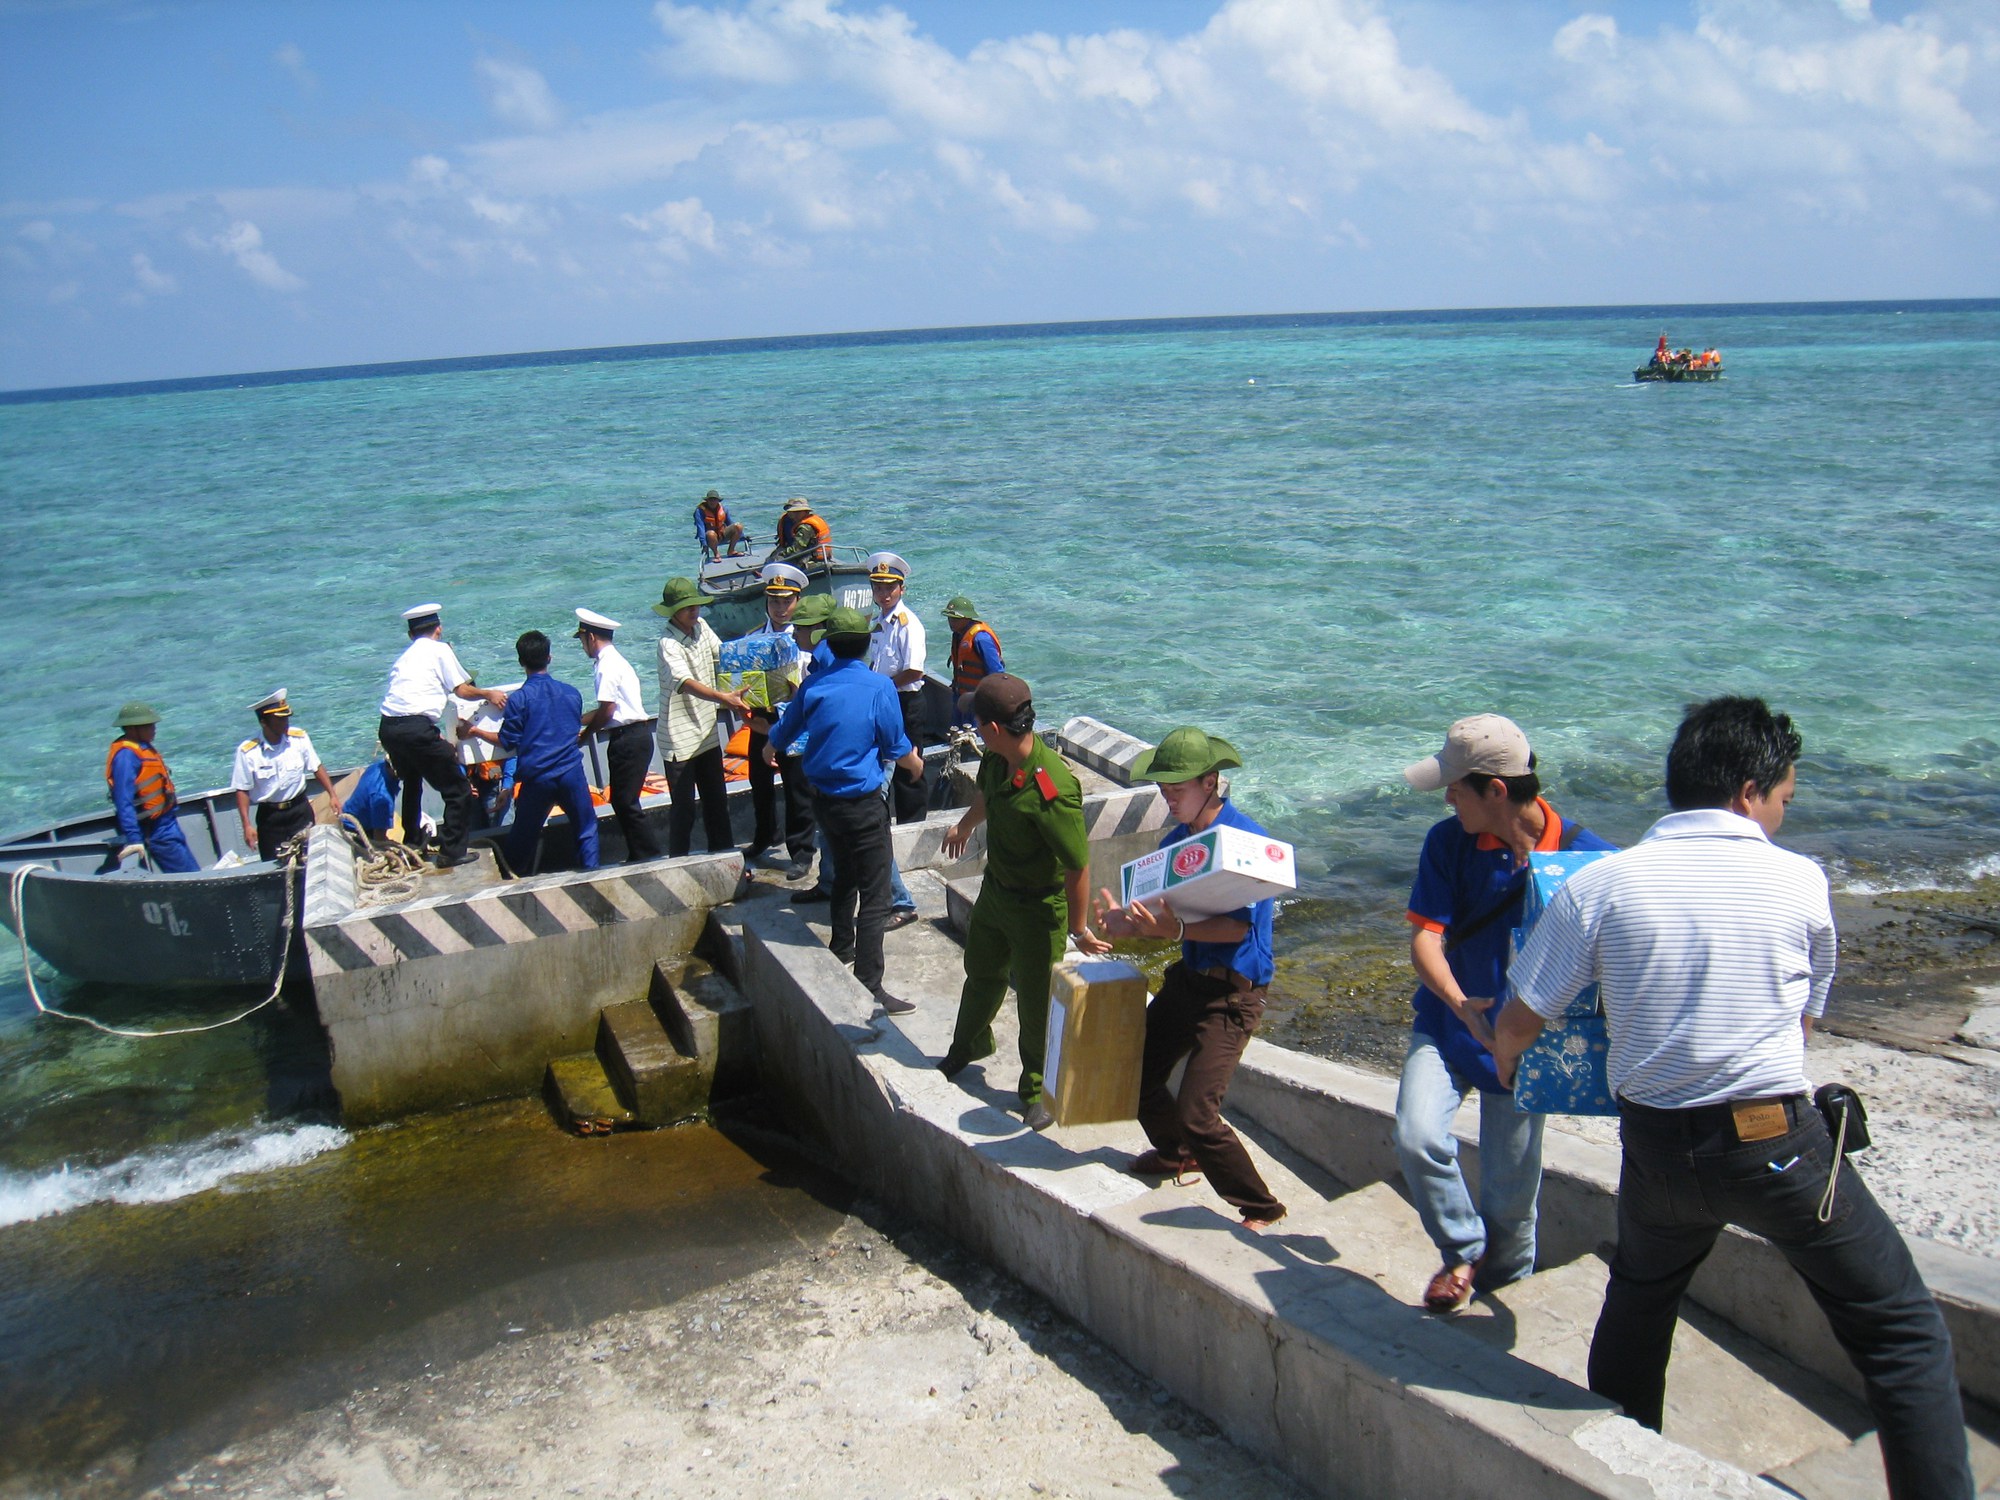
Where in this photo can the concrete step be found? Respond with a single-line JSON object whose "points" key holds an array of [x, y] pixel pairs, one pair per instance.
{"points": [[959, 896], [652, 1078], [708, 1019], [581, 1098]]}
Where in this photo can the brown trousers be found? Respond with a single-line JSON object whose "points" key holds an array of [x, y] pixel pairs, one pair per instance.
{"points": [[1209, 1022]]}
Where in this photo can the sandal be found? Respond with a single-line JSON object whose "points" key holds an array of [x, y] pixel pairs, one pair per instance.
{"points": [[1451, 1289]]}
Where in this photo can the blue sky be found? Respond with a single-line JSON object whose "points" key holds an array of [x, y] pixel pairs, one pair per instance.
{"points": [[205, 186]]}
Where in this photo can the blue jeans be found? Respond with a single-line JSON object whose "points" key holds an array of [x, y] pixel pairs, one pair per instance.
{"points": [[1684, 1176], [1502, 1227]]}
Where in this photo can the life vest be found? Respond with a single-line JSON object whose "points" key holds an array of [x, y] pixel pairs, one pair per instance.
{"points": [[716, 522], [152, 788], [966, 667], [805, 533]]}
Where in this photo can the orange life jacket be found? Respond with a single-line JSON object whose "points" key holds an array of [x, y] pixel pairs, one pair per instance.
{"points": [[807, 534], [966, 667], [713, 520], [153, 788]]}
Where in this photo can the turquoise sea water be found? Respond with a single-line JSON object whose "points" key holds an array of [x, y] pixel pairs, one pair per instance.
{"points": [[1323, 541]]}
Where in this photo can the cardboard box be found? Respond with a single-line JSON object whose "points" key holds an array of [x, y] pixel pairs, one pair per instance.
{"points": [[1096, 1040], [1218, 870], [479, 714]]}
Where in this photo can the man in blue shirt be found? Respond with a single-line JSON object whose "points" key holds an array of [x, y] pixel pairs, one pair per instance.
{"points": [[1209, 1002], [542, 730], [853, 723], [142, 795], [1466, 902]]}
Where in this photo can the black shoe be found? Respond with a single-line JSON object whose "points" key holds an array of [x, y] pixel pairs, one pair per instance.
{"points": [[1037, 1117], [453, 861], [951, 1064], [817, 893], [754, 853], [900, 919], [895, 1005], [798, 869]]}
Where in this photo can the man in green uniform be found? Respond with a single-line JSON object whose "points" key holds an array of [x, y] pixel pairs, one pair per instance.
{"points": [[1036, 888]]}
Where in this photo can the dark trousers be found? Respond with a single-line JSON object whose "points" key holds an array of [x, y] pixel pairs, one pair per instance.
{"points": [[857, 828], [278, 821], [912, 797], [628, 755], [1685, 1175], [1014, 937], [419, 756], [1209, 1022], [764, 800], [571, 793], [698, 779]]}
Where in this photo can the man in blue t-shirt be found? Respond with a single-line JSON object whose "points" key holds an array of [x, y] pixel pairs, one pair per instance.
{"points": [[1471, 879], [853, 725], [542, 729], [1210, 1001]]}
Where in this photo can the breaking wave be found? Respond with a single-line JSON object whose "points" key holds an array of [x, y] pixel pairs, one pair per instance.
{"points": [[160, 1176]]}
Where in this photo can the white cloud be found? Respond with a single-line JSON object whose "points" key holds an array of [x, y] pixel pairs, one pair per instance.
{"points": [[158, 282], [292, 58], [677, 227], [517, 94], [243, 242], [1575, 40]]}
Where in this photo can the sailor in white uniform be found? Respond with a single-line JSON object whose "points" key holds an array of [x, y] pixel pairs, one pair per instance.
{"points": [[424, 676], [272, 771], [628, 740], [897, 652]]}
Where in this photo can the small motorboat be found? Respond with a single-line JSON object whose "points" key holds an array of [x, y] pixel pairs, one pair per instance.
{"points": [[68, 900], [731, 581], [1680, 364]]}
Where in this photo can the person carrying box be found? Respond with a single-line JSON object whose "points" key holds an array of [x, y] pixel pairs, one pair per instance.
{"points": [[1210, 1000]]}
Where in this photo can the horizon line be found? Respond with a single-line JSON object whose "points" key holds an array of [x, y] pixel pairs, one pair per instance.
{"points": [[956, 333]]}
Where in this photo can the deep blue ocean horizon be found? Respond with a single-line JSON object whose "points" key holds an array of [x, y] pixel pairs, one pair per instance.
{"points": [[984, 333]]}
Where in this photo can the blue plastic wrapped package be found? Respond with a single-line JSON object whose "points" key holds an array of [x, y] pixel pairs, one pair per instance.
{"points": [[758, 653], [1562, 1073]]}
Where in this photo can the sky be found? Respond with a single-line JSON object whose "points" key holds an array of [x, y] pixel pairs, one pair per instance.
{"points": [[196, 187]]}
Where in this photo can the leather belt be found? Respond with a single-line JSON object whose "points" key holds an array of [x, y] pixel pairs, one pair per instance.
{"points": [[1239, 982]]}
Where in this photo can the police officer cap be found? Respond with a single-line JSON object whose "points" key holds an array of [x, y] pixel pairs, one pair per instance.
{"points": [[782, 578], [798, 502], [847, 620], [591, 620], [132, 715], [999, 696], [1186, 753], [275, 704], [886, 567], [813, 610], [958, 607]]}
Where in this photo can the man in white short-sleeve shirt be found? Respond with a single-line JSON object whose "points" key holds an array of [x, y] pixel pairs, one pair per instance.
{"points": [[424, 676], [272, 770], [1712, 950], [896, 650], [628, 738]]}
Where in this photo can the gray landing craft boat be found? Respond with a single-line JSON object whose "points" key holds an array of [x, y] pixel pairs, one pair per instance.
{"points": [[738, 607], [207, 928]]}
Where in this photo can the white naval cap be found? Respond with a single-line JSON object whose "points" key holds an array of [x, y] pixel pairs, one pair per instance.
{"points": [[423, 612], [782, 578], [887, 567], [273, 703], [590, 619]]}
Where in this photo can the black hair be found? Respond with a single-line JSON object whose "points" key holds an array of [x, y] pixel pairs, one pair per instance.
{"points": [[423, 627], [533, 650], [1723, 743], [848, 647], [1521, 790]]}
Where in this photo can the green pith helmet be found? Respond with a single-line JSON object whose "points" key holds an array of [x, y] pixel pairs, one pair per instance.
{"points": [[813, 610], [846, 620], [958, 607], [678, 595], [132, 715], [1186, 753]]}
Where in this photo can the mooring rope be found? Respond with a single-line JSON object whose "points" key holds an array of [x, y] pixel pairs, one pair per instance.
{"points": [[289, 855], [382, 872]]}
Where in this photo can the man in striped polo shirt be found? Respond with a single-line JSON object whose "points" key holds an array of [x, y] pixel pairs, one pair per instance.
{"points": [[1713, 949]]}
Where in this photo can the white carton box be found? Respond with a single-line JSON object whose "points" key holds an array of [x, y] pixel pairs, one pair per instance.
{"points": [[1215, 871]]}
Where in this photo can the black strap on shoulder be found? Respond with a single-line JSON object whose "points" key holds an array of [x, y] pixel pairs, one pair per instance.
{"points": [[1464, 932]]}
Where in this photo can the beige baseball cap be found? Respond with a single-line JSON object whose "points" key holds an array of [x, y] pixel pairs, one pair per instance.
{"points": [[1487, 743]]}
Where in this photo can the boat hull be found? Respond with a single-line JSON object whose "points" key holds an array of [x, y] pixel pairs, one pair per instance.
{"points": [[1673, 374]]}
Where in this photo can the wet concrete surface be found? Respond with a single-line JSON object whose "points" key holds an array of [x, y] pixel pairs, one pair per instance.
{"points": [[135, 1337]]}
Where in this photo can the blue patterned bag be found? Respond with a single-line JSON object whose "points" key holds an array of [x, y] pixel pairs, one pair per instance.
{"points": [[1563, 1072]]}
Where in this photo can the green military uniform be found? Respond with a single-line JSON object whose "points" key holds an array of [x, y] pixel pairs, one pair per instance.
{"points": [[1034, 834]]}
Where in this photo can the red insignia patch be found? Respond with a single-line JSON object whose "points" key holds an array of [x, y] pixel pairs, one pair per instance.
{"points": [[1046, 784]]}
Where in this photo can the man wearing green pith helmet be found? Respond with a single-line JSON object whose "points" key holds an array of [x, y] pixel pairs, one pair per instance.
{"points": [[1210, 1001], [1037, 885]]}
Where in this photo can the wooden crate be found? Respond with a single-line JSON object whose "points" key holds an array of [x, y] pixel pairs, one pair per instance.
{"points": [[1097, 1036]]}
